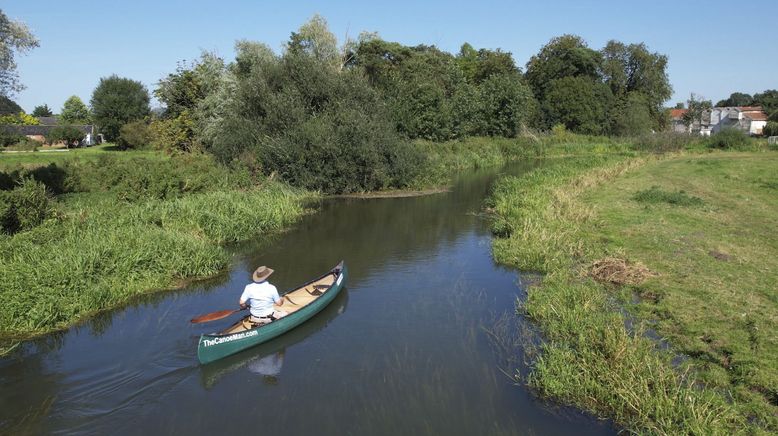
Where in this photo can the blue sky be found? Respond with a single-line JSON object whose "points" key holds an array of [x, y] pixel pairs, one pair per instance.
{"points": [[715, 47]]}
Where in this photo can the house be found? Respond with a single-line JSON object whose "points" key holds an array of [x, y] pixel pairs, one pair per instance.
{"points": [[749, 119], [698, 127], [677, 123], [40, 132]]}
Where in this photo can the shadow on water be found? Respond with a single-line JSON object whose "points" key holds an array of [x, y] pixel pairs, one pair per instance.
{"points": [[407, 348]]}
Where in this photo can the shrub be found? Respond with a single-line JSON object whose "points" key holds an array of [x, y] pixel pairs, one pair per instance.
{"points": [[665, 141], [728, 138], [20, 119], [174, 134], [771, 129], [9, 138], [25, 207], [68, 134], [134, 135], [658, 195], [24, 144]]}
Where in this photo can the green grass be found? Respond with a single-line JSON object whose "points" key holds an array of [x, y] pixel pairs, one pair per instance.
{"points": [[40, 158], [714, 296], [99, 252], [561, 218], [656, 195]]}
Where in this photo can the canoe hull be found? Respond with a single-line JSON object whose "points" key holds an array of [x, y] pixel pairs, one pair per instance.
{"points": [[216, 346]]}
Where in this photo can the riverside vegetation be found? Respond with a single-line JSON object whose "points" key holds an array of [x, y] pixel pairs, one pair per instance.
{"points": [[240, 146], [85, 235], [691, 237]]}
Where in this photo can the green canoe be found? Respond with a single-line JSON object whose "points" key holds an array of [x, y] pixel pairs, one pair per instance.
{"points": [[300, 303]]}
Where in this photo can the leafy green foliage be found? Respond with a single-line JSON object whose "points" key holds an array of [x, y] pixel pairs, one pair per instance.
{"points": [[579, 103], [728, 138], [768, 100], [656, 195], [117, 101], [20, 118], [70, 135], [632, 70], [771, 129], [135, 135], [505, 105], [15, 38], [8, 138], [736, 99], [74, 111], [632, 116], [42, 110], [563, 56], [479, 65], [24, 207], [8, 106], [697, 107], [314, 126]]}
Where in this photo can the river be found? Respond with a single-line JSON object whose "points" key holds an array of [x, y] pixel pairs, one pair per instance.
{"points": [[421, 341]]}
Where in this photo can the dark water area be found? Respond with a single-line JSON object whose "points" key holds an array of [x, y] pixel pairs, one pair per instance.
{"points": [[414, 344]]}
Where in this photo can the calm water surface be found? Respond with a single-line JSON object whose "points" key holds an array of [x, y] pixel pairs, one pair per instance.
{"points": [[407, 346]]}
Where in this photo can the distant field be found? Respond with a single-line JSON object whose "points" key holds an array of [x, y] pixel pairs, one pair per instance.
{"points": [[35, 158]]}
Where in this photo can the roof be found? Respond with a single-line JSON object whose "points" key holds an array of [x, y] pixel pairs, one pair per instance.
{"points": [[40, 130], [756, 116], [48, 121], [678, 113], [750, 108]]}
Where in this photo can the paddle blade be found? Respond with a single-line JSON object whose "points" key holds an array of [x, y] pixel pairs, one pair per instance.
{"points": [[213, 316]]}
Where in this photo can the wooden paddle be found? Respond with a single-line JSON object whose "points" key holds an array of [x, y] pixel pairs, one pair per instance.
{"points": [[213, 316]]}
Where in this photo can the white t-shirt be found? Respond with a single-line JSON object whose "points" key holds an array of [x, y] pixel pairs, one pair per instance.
{"points": [[261, 297]]}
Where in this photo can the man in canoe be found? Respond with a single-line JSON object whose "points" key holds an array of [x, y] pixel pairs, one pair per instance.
{"points": [[262, 298]]}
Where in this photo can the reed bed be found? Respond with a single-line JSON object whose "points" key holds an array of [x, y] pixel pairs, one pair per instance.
{"points": [[97, 253]]}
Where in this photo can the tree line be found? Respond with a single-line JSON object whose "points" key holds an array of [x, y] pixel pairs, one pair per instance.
{"points": [[340, 117]]}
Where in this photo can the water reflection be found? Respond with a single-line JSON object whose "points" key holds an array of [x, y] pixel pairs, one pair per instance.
{"points": [[266, 360]]}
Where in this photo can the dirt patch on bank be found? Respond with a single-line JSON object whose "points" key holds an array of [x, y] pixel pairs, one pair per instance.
{"points": [[619, 271]]}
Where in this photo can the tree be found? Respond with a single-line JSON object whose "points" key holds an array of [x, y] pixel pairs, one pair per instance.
{"points": [[563, 56], [8, 106], [736, 99], [68, 134], [580, 103], [74, 111], [630, 69], [699, 108], [315, 39], [680, 105], [771, 129], [313, 125], [506, 104], [768, 100], [15, 38], [632, 116], [478, 66], [42, 111], [117, 101]]}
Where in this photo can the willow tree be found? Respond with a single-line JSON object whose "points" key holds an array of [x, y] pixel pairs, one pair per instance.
{"points": [[15, 38]]}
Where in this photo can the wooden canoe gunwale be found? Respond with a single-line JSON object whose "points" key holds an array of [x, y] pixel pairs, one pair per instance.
{"points": [[215, 346]]}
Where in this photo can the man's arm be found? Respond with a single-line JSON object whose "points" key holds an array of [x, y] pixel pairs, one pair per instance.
{"points": [[276, 299]]}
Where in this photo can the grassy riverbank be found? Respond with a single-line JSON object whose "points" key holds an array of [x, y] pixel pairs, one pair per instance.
{"points": [[697, 235], [122, 226]]}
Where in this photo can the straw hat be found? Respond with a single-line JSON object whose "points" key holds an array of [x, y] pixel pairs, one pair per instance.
{"points": [[262, 273]]}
